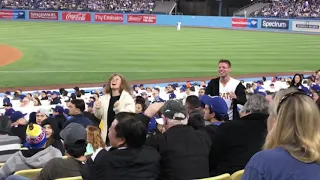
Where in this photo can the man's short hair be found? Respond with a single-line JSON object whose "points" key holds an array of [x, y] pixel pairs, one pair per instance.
{"points": [[193, 101], [157, 89], [79, 103], [225, 61], [131, 129]]}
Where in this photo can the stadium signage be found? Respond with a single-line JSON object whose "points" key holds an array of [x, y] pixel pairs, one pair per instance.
{"points": [[244, 23], [306, 26], [274, 24], [45, 15], [76, 16], [12, 14], [140, 18], [117, 18]]}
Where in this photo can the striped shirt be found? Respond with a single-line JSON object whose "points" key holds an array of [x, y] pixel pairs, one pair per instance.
{"points": [[8, 146]]}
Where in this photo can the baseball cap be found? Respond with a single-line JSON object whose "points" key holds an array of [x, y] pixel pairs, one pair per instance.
{"points": [[58, 109], [22, 96], [55, 93], [7, 104], [172, 96], [9, 112], [16, 116], [44, 111], [73, 133], [90, 104], [174, 109], [216, 104], [7, 93]]}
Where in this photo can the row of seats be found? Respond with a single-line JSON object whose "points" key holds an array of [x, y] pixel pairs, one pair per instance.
{"points": [[30, 173]]}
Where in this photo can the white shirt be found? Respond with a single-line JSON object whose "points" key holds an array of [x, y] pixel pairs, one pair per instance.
{"points": [[224, 93]]}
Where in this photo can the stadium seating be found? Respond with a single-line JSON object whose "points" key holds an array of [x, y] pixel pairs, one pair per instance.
{"points": [[220, 177], [71, 178], [237, 175], [290, 9], [30, 173]]}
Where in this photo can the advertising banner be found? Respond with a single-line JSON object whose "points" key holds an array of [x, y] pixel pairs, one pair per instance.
{"points": [[306, 26], [110, 18], [12, 14], [244, 23], [141, 18], [44, 15], [76, 16], [274, 24]]}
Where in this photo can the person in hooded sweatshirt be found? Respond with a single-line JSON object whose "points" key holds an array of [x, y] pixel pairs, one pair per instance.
{"points": [[36, 156], [127, 158], [52, 130]]}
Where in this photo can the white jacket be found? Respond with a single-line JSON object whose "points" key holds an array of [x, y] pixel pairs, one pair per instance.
{"points": [[126, 105]]}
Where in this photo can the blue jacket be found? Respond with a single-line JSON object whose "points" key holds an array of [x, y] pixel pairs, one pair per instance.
{"points": [[278, 164]]}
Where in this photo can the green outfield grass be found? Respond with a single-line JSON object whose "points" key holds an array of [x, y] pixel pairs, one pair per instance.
{"points": [[62, 53]]}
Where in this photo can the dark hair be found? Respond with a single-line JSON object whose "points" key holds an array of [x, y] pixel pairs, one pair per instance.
{"points": [[264, 78], [78, 94], [157, 89], [193, 101], [38, 100], [131, 129], [16, 94], [64, 93], [140, 100], [76, 88], [318, 102], [78, 149], [61, 90], [225, 61], [196, 120], [82, 92], [79, 103], [293, 82], [192, 89]]}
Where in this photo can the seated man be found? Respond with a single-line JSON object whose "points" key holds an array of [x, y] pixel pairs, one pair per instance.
{"points": [[128, 158], [36, 156]]}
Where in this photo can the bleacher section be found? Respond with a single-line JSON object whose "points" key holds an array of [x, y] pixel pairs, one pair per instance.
{"points": [[247, 10], [164, 7]]}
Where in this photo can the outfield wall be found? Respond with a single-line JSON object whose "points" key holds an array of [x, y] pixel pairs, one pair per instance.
{"points": [[310, 26]]}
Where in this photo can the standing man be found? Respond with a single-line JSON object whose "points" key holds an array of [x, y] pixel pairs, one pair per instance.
{"points": [[231, 90], [178, 26]]}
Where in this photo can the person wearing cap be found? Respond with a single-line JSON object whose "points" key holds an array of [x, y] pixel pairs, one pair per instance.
{"points": [[90, 114], [184, 151], [8, 144], [55, 96], [6, 97], [74, 138], [76, 108], [59, 116], [35, 156], [228, 88], [7, 105], [235, 142], [118, 98], [19, 125], [127, 158], [42, 114], [215, 109], [44, 95]]}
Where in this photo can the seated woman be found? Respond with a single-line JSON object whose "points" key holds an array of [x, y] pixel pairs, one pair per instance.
{"points": [[50, 126], [292, 146], [94, 140]]}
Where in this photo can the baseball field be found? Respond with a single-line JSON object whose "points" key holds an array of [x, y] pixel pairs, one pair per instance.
{"points": [[46, 53]]}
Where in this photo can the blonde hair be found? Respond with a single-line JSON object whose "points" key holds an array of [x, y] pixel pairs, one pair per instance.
{"points": [[297, 126], [123, 86], [96, 140]]}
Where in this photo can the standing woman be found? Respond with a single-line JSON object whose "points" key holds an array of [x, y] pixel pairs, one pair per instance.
{"points": [[292, 147], [117, 98]]}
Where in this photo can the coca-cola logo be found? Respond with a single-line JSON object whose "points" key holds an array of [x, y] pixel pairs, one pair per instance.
{"points": [[76, 17], [135, 18]]}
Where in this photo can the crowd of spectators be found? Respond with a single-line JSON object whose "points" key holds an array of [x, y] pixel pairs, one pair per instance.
{"points": [[290, 9], [188, 131], [141, 6]]}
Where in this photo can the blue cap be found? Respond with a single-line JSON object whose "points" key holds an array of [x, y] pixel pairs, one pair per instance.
{"points": [[58, 109], [90, 104], [48, 92], [7, 104], [73, 95], [6, 100], [9, 112], [216, 104], [16, 116], [134, 86], [7, 93], [22, 96], [182, 89], [260, 82], [172, 96], [55, 93]]}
